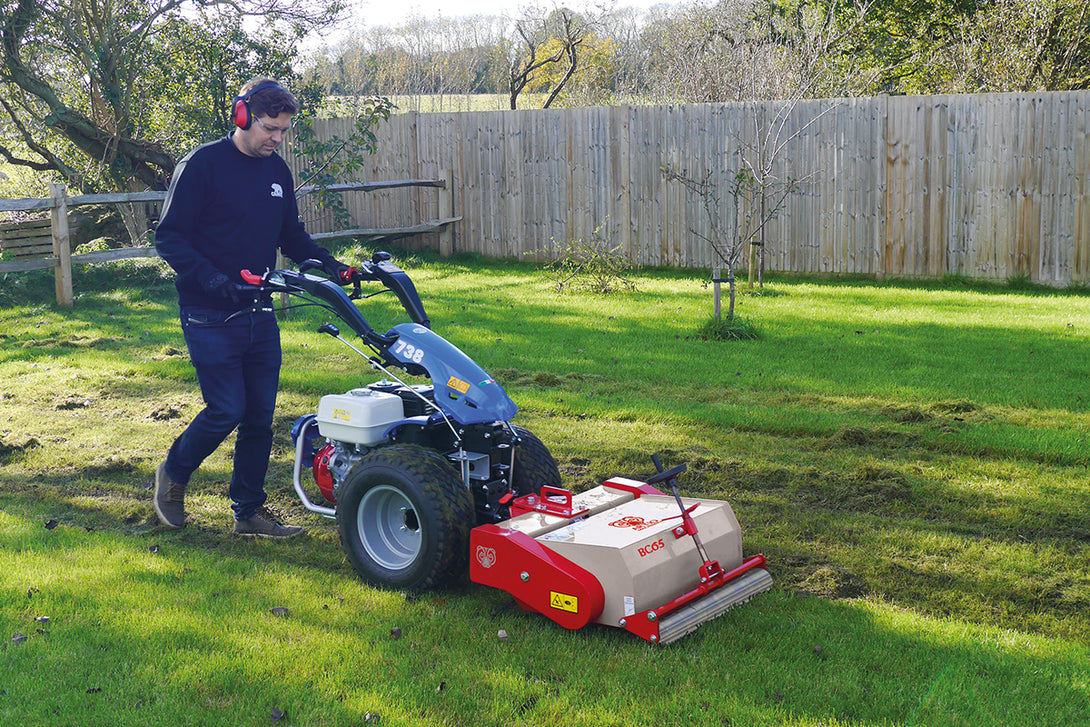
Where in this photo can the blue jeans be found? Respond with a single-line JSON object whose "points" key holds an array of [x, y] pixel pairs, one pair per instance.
{"points": [[238, 368]]}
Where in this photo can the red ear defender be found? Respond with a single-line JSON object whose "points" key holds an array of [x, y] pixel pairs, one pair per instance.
{"points": [[241, 115], [240, 112]]}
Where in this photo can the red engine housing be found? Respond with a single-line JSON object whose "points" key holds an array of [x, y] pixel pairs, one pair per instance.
{"points": [[322, 475]]}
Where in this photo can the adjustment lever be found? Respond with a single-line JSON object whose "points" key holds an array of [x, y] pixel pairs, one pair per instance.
{"points": [[665, 475]]}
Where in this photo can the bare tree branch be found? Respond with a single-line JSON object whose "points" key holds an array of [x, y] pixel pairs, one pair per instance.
{"points": [[103, 46], [51, 161]]}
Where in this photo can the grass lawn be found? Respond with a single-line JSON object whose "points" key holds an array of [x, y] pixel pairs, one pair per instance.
{"points": [[912, 459]]}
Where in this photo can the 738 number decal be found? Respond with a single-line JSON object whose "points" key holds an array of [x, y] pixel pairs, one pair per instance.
{"points": [[408, 351]]}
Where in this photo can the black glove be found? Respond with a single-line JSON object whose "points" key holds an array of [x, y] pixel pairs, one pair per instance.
{"points": [[220, 284], [340, 272]]}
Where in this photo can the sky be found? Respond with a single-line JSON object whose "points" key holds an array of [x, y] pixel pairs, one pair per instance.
{"points": [[391, 12], [360, 14], [373, 13]]}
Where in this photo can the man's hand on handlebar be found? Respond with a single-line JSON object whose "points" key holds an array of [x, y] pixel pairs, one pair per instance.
{"points": [[341, 273], [219, 284]]}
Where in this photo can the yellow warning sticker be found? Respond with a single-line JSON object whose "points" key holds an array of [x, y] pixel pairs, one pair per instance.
{"points": [[564, 602], [343, 414], [458, 385]]}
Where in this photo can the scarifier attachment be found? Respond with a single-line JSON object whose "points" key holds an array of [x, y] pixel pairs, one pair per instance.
{"points": [[621, 554]]}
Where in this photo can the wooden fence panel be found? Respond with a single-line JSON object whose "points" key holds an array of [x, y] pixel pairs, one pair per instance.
{"points": [[1080, 190], [986, 186]]}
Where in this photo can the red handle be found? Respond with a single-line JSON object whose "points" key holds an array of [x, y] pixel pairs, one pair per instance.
{"points": [[349, 275], [250, 278], [556, 495]]}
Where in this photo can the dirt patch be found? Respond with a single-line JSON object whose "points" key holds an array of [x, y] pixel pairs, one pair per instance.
{"points": [[71, 401], [77, 341], [110, 467], [881, 479], [13, 447], [164, 412], [959, 406], [868, 488], [813, 574], [516, 377], [545, 378], [833, 581]]}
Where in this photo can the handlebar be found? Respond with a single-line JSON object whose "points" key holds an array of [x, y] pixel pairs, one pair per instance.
{"points": [[378, 269]]}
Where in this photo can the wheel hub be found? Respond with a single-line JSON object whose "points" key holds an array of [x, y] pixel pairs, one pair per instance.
{"points": [[389, 527]]}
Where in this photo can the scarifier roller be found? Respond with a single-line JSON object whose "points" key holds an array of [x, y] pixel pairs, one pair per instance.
{"points": [[622, 554]]}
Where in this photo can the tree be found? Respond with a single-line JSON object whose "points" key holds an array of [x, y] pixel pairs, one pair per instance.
{"points": [[1015, 45], [757, 196], [441, 57], [592, 80], [336, 159], [753, 49], [87, 87], [791, 61], [198, 64], [546, 42]]}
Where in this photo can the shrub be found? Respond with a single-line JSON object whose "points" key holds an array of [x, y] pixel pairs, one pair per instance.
{"points": [[591, 266]]}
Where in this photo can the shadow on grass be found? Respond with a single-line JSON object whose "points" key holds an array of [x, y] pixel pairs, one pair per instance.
{"points": [[190, 634]]}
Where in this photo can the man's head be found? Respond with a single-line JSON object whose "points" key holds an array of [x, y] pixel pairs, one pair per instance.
{"points": [[263, 111]]}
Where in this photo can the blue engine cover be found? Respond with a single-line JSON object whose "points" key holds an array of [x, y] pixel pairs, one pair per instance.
{"points": [[463, 390]]}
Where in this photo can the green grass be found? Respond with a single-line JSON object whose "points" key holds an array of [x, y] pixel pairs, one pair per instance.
{"points": [[911, 457]]}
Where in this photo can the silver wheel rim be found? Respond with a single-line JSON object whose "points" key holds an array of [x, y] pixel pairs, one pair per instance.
{"points": [[389, 527]]}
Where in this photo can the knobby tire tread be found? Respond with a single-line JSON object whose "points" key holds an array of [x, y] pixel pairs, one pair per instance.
{"points": [[535, 466], [442, 489]]}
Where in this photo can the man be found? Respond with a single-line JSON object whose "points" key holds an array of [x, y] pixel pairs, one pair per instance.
{"points": [[230, 205]]}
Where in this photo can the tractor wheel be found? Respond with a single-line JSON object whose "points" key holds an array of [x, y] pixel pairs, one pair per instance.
{"points": [[404, 517], [534, 465]]}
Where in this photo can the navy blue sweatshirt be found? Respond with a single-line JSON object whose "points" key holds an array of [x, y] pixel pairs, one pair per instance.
{"points": [[226, 212]]}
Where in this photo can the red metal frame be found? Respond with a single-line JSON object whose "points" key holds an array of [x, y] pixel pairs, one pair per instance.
{"points": [[643, 489], [539, 579], [551, 501]]}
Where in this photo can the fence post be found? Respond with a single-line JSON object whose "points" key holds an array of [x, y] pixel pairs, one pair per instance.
{"points": [[285, 299], [717, 306], [446, 211], [62, 247]]}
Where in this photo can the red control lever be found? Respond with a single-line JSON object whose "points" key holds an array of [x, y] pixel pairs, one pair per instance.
{"points": [[250, 278]]}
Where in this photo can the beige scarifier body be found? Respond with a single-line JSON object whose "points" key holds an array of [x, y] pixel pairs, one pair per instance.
{"points": [[620, 554]]}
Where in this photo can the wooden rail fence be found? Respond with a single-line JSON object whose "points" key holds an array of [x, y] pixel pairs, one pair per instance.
{"points": [[46, 243], [986, 186]]}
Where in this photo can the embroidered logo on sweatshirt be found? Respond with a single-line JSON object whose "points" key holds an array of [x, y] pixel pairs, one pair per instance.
{"points": [[277, 191]]}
